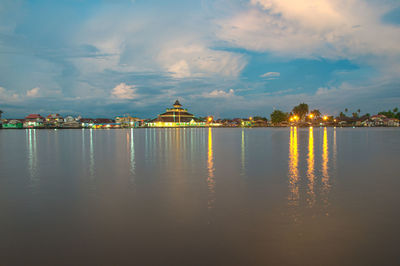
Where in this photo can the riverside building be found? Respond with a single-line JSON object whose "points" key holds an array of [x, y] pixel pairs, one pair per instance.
{"points": [[176, 117]]}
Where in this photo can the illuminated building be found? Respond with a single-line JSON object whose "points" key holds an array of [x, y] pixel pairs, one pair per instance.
{"points": [[128, 121], [33, 121], [176, 117]]}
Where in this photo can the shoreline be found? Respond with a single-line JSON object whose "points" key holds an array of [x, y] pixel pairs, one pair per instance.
{"points": [[80, 128]]}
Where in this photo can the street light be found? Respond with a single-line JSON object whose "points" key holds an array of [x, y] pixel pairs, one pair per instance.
{"points": [[325, 117], [311, 116]]}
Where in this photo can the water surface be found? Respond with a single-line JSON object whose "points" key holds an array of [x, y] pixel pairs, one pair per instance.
{"points": [[309, 196]]}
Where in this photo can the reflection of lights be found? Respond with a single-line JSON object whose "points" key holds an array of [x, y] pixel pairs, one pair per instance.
{"points": [[210, 166], [293, 167], [325, 160], [310, 163], [91, 155], [132, 153], [32, 156], [243, 155]]}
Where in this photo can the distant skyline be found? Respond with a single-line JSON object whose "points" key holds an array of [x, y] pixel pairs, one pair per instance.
{"points": [[227, 58]]}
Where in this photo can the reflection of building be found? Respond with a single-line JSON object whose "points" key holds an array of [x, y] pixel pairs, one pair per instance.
{"points": [[176, 117]]}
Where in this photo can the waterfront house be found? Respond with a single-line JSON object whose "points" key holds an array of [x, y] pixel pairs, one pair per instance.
{"points": [[87, 122], [391, 122], [34, 121], [128, 121], [176, 117], [13, 123], [54, 120], [105, 123], [378, 120]]}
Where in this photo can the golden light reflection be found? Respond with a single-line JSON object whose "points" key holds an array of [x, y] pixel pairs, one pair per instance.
{"points": [[210, 166], [310, 169], [293, 168], [325, 160]]}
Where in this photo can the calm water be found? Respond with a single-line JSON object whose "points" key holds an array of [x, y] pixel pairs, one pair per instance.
{"points": [[200, 197]]}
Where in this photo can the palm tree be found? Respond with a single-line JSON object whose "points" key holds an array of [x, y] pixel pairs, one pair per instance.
{"points": [[316, 113], [1, 113], [346, 110], [359, 111], [301, 110]]}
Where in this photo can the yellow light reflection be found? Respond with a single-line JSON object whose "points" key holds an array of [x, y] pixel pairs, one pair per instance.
{"points": [[210, 166], [293, 168], [325, 160], [310, 170]]}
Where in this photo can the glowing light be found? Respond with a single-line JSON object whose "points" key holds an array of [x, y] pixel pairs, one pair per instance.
{"points": [[293, 168], [311, 115], [310, 170], [210, 166], [325, 173], [325, 117]]}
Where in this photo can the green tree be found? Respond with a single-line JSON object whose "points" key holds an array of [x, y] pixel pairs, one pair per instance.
{"points": [[316, 113], [388, 114], [359, 111], [355, 115], [395, 110], [346, 110], [278, 116], [1, 112], [260, 118], [301, 110]]}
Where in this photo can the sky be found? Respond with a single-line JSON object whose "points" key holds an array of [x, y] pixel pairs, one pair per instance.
{"points": [[227, 58]]}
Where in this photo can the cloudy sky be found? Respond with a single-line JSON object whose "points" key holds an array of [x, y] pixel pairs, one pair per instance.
{"points": [[228, 58]]}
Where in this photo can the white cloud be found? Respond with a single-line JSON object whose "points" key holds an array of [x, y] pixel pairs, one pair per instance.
{"points": [[124, 91], [33, 92], [135, 44], [7, 95], [184, 59], [271, 75], [220, 94], [179, 69], [313, 28]]}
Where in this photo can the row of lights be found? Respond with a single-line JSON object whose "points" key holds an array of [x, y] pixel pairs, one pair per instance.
{"points": [[296, 118]]}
